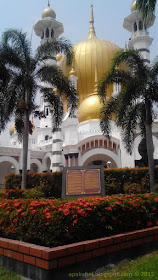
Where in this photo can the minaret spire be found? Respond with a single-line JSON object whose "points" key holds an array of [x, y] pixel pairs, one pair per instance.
{"points": [[91, 21], [48, 3]]}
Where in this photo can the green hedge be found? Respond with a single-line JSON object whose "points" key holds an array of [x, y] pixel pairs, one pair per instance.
{"points": [[55, 222], [119, 180]]}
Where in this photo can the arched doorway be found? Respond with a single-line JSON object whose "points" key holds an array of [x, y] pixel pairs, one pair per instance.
{"points": [[100, 156], [7, 165], [106, 161]]}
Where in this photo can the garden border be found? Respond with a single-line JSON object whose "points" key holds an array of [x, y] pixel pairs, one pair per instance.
{"points": [[43, 263]]}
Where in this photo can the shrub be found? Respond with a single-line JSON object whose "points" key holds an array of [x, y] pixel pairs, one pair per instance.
{"points": [[112, 189], [49, 183], [12, 194], [33, 193], [135, 188], [16, 194], [12, 181], [57, 222]]}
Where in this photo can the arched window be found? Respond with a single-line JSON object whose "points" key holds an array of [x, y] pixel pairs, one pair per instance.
{"points": [[46, 111], [135, 27], [140, 25], [52, 33], [42, 35], [46, 137], [47, 33]]}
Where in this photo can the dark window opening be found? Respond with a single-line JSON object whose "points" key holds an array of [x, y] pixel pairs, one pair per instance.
{"points": [[42, 35], [47, 33], [140, 25], [135, 27], [46, 111], [52, 33], [46, 137]]}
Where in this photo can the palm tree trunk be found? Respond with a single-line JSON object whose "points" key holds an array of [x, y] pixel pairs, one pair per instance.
{"points": [[150, 146], [25, 144]]}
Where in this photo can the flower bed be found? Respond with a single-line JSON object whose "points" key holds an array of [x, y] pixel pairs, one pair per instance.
{"points": [[59, 222]]}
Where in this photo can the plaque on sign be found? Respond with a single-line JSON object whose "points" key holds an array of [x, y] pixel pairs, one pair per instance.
{"points": [[83, 181]]}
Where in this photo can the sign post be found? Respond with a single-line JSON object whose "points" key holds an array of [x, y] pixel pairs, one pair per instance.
{"points": [[83, 181]]}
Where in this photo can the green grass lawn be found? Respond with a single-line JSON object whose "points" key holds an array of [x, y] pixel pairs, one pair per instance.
{"points": [[142, 268], [6, 275]]}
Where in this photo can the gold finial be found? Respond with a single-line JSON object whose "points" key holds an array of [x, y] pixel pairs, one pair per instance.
{"points": [[96, 80], [72, 71], [55, 91], [91, 21]]}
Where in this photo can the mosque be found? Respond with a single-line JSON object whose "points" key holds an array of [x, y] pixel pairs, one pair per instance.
{"points": [[79, 140]]}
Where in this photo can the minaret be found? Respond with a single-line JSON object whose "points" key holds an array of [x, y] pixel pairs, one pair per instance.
{"points": [[140, 39], [49, 28]]}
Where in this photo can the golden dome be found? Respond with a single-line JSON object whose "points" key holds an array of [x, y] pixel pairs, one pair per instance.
{"points": [[12, 129], [133, 6], [48, 12], [58, 57], [90, 108], [87, 54]]}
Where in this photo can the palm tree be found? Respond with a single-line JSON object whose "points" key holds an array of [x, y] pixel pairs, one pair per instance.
{"points": [[146, 7], [25, 72], [133, 105]]}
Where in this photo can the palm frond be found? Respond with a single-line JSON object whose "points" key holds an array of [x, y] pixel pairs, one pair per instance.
{"points": [[105, 116], [53, 75], [48, 49], [56, 106], [18, 41], [147, 7], [133, 59], [128, 125]]}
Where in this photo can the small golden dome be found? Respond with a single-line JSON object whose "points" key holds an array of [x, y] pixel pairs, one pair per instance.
{"points": [[12, 129], [55, 90], [90, 108], [72, 72], [59, 57], [48, 12], [133, 6]]}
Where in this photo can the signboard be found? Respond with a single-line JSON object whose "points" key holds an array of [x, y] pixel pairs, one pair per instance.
{"points": [[83, 181]]}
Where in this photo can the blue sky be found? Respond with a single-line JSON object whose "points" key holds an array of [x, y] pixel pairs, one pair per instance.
{"points": [[74, 14]]}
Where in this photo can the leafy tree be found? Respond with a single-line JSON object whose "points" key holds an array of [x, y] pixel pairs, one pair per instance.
{"points": [[21, 78], [133, 105], [147, 7]]}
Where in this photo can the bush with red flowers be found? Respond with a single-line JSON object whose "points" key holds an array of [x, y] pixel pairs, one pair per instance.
{"points": [[135, 188], [17, 193], [57, 222]]}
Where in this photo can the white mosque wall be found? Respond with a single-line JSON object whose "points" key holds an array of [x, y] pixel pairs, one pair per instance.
{"points": [[88, 129], [126, 159], [69, 131]]}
